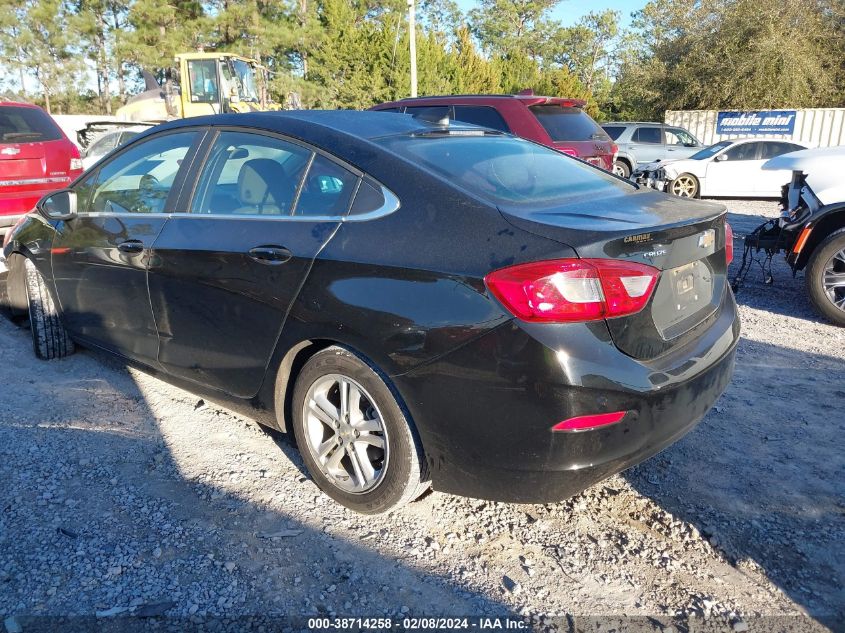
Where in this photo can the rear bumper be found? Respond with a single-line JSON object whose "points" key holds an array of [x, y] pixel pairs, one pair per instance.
{"points": [[485, 411]]}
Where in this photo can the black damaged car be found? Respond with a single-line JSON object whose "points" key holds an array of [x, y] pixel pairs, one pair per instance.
{"points": [[421, 304]]}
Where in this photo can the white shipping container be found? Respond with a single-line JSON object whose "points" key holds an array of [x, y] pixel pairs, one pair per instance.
{"points": [[815, 127]]}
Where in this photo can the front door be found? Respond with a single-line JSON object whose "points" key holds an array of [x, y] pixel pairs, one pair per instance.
{"points": [[735, 171], [224, 275], [100, 258]]}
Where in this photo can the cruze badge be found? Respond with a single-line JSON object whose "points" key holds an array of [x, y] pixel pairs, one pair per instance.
{"points": [[707, 239], [10, 151]]}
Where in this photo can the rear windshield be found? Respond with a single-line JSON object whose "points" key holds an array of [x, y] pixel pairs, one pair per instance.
{"points": [[26, 125], [613, 131], [568, 124], [506, 170]]}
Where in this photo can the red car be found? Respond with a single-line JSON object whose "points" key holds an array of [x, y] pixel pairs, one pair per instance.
{"points": [[35, 158], [556, 122]]}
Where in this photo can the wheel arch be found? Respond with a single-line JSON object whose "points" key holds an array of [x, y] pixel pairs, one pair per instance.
{"points": [[828, 224]]}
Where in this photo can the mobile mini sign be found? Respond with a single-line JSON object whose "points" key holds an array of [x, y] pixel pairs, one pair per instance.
{"points": [[756, 122]]}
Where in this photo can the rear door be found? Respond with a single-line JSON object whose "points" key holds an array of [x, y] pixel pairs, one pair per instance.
{"points": [[769, 183], [100, 258], [647, 144], [224, 275]]}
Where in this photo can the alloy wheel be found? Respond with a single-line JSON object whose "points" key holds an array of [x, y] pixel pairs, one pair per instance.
{"points": [[834, 279], [345, 433], [684, 186]]}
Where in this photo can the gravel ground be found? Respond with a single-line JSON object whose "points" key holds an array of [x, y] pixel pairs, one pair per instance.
{"points": [[124, 496]]}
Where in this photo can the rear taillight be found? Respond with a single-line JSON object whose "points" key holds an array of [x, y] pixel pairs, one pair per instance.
{"points": [[568, 151], [566, 290], [729, 243], [75, 163]]}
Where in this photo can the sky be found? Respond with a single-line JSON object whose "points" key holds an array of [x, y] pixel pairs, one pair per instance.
{"points": [[568, 11]]}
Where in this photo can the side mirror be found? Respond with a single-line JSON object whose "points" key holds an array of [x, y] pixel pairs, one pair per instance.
{"points": [[722, 157], [60, 205]]}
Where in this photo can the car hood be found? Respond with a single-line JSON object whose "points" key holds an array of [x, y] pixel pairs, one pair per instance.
{"points": [[823, 168], [675, 167]]}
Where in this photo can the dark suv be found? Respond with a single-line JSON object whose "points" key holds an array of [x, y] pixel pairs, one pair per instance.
{"points": [[556, 122]]}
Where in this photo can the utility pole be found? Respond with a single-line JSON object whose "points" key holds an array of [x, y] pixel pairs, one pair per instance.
{"points": [[412, 32]]}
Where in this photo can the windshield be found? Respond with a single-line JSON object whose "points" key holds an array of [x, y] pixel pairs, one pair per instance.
{"points": [[709, 152], [26, 125], [506, 170], [245, 74], [568, 124]]}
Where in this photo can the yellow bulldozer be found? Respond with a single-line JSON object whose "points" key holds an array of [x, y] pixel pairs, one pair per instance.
{"points": [[201, 83]]}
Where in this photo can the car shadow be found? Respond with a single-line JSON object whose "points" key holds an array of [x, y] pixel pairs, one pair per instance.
{"points": [[116, 511], [767, 489]]}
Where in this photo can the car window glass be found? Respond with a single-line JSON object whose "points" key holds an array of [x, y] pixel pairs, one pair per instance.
{"points": [[428, 113], [125, 136], [613, 131], [103, 145], [484, 116], [202, 74], [677, 136], [744, 151], [139, 179], [648, 135], [568, 124], [250, 174], [772, 149], [369, 198], [327, 189], [507, 170], [26, 125], [389, 110]]}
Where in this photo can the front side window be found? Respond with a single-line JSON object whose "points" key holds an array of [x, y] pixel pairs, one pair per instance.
{"points": [[202, 74], [506, 170], [138, 180], [250, 174], [744, 151], [677, 136], [649, 135]]}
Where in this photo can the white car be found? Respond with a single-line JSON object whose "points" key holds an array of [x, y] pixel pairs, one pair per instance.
{"points": [[728, 168], [108, 141]]}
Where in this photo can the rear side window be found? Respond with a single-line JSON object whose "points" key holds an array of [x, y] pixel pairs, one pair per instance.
{"points": [[27, 125], [568, 124], [484, 116], [397, 110], [327, 189], [613, 131], [250, 174], [103, 145], [505, 169], [650, 135], [770, 150]]}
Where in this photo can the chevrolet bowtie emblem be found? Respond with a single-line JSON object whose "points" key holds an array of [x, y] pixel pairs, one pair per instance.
{"points": [[707, 239]]}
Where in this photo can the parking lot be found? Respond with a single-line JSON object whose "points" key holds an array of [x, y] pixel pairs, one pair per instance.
{"points": [[124, 495]]}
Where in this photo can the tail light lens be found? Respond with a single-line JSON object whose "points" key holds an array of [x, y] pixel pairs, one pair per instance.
{"points": [[568, 151], [566, 290], [729, 243]]}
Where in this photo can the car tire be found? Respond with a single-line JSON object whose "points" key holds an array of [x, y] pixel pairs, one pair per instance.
{"points": [[685, 186], [49, 336], [828, 259], [621, 169], [364, 454]]}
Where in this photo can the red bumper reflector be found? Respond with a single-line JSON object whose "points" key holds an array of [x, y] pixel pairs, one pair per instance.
{"points": [[586, 422]]}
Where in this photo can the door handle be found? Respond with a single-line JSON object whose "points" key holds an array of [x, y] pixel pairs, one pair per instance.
{"points": [[131, 246], [270, 254]]}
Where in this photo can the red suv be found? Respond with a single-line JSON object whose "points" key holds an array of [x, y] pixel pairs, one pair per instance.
{"points": [[556, 122], [35, 158]]}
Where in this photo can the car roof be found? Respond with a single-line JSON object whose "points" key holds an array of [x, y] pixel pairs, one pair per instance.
{"points": [[363, 125], [20, 104], [528, 99]]}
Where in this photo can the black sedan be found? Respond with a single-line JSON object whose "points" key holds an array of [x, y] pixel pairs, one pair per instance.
{"points": [[422, 304]]}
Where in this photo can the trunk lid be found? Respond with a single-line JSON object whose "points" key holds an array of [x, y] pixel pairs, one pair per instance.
{"points": [[683, 239]]}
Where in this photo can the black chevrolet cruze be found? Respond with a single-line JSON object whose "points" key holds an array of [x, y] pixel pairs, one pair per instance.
{"points": [[422, 304]]}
